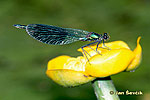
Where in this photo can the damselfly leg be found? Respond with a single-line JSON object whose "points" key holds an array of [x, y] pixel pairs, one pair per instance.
{"points": [[98, 45], [88, 45], [105, 47]]}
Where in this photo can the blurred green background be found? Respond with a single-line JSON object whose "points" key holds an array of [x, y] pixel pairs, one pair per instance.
{"points": [[23, 60]]}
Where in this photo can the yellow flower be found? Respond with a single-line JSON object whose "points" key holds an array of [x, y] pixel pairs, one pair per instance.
{"points": [[69, 71]]}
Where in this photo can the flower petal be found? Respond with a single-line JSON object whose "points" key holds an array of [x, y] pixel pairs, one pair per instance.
{"points": [[68, 71], [102, 48], [138, 56], [58, 62], [110, 62], [68, 78]]}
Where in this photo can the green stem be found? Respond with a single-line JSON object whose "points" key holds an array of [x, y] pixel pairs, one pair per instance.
{"points": [[105, 89]]}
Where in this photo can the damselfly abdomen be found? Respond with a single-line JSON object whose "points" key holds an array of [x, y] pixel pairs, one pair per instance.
{"points": [[54, 35]]}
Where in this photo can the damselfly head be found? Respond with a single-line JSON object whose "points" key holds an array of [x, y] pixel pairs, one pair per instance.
{"points": [[106, 36]]}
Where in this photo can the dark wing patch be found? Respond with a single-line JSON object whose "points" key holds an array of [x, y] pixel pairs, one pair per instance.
{"points": [[54, 35]]}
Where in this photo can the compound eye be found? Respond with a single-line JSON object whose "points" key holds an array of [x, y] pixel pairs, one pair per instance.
{"points": [[105, 37], [105, 34]]}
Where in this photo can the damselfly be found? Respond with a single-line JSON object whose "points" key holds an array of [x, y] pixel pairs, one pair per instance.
{"points": [[54, 35]]}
